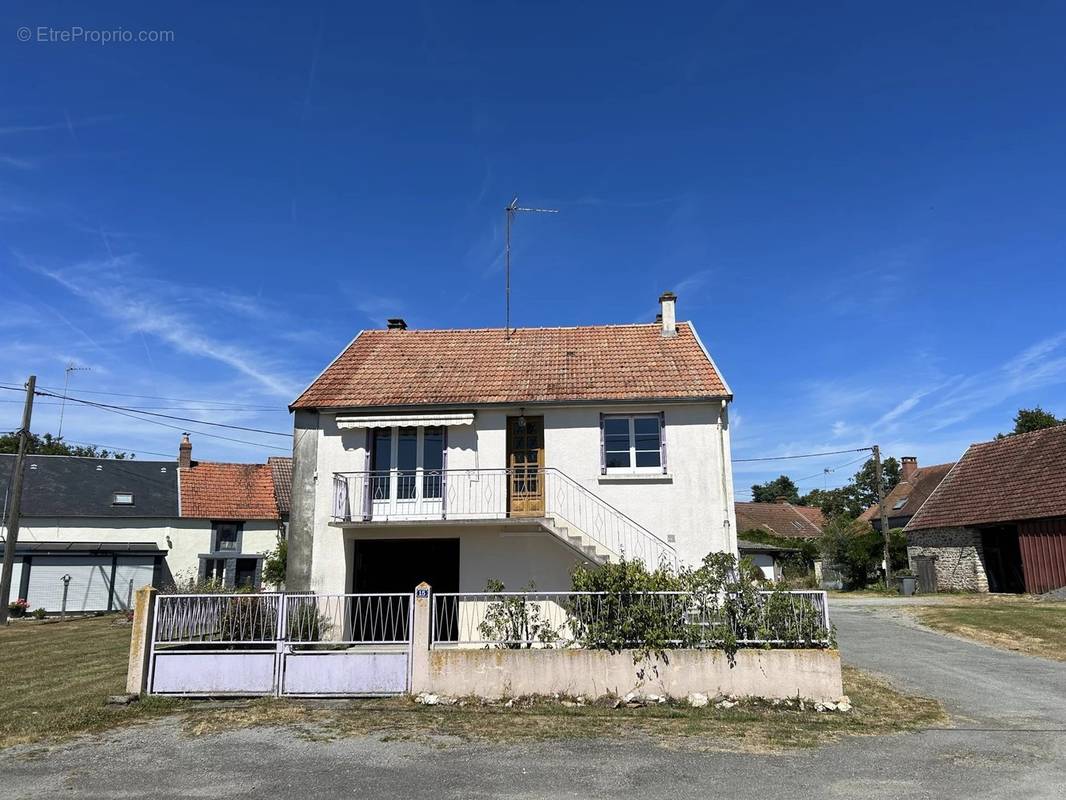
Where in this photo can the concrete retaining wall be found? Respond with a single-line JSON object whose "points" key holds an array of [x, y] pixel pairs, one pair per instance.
{"points": [[494, 674]]}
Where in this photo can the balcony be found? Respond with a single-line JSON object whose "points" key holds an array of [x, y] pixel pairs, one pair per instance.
{"points": [[580, 518]]}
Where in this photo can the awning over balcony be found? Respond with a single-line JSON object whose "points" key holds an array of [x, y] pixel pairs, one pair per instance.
{"points": [[404, 420]]}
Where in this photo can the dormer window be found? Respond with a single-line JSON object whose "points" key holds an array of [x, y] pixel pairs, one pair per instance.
{"points": [[122, 499]]}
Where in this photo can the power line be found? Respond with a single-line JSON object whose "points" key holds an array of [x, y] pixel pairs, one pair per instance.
{"points": [[169, 416], [117, 449], [16, 385], [803, 455], [123, 413]]}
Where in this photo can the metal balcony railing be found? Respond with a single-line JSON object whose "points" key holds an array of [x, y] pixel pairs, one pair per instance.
{"points": [[487, 494]]}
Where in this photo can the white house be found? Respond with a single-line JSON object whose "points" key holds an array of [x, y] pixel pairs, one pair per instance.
{"points": [[114, 525], [459, 456]]}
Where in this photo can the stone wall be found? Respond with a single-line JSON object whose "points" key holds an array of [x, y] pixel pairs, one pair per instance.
{"points": [[957, 554]]}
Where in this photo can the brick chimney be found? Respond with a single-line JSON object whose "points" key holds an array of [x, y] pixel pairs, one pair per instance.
{"points": [[185, 452], [781, 500], [909, 467], [668, 314]]}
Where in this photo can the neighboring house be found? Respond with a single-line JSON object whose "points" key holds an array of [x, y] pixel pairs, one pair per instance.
{"points": [[780, 519], [115, 525], [767, 557], [915, 485], [459, 456], [997, 521]]}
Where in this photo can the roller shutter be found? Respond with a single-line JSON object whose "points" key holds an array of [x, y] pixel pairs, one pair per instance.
{"points": [[131, 573], [89, 589]]}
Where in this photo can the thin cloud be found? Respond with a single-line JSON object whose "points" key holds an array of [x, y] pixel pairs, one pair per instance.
{"points": [[148, 307], [18, 163]]}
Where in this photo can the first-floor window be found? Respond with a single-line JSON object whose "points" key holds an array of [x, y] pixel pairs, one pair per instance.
{"points": [[633, 443]]}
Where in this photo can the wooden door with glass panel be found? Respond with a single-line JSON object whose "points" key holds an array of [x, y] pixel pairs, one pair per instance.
{"points": [[525, 461]]}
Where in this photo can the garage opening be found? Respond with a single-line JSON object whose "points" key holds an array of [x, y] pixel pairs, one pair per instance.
{"points": [[1003, 559], [399, 565]]}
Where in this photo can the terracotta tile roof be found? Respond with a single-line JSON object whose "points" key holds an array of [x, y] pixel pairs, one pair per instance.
{"points": [[1015, 478], [915, 492], [281, 469], [212, 490], [604, 362], [781, 519]]}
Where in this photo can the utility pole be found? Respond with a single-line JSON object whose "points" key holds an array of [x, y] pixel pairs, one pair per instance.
{"points": [[16, 501], [879, 481]]}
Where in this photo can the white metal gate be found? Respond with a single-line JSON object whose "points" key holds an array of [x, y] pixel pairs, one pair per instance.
{"points": [[311, 645]]}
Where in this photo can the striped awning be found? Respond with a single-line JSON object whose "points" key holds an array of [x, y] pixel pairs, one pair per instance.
{"points": [[404, 420]]}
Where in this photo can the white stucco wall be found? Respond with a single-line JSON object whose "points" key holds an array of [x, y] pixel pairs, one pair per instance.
{"points": [[183, 539], [693, 502]]}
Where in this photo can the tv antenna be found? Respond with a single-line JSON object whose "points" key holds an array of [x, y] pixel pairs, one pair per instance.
{"points": [[71, 367], [512, 209]]}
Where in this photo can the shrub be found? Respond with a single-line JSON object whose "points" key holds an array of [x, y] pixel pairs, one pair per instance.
{"points": [[17, 608], [274, 563], [514, 623], [39, 613]]}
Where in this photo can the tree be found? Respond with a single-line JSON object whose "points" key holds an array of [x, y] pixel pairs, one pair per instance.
{"points": [[770, 491], [833, 502], [275, 562], [865, 481], [1028, 420], [48, 445]]}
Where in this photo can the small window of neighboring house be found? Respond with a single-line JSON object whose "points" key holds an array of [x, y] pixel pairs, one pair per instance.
{"points": [[227, 537], [900, 503], [633, 443], [122, 499]]}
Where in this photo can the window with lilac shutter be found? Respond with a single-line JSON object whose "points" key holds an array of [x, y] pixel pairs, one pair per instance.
{"points": [[632, 443]]}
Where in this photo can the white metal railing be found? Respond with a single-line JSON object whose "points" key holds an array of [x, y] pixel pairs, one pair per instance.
{"points": [[281, 618], [487, 494], [603, 619]]}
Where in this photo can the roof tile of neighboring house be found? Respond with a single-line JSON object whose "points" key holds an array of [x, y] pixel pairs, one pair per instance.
{"points": [[281, 469], [915, 492], [781, 519], [437, 367], [212, 490], [1015, 478]]}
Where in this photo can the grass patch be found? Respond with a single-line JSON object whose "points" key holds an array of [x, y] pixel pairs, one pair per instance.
{"points": [[55, 677], [750, 726], [1023, 624]]}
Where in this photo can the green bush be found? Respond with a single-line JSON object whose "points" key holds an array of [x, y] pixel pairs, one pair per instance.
{"points": [[514, 623], [39, 613]]}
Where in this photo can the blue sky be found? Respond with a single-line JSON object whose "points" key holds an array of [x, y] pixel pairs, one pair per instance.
{"points": [[861, 208]]}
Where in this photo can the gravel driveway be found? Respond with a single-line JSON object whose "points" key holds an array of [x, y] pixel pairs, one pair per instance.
{"points": [[1010, 742]]}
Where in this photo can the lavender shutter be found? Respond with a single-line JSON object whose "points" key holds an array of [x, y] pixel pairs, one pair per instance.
{"points": [[603, 452], [444, 477], [662, 439], [368, 481]]}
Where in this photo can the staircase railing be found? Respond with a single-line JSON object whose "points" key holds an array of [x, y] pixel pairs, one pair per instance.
{"points": [[576, 507], [403, 495]]}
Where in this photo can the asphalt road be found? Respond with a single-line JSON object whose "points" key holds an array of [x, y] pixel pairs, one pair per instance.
{"points": [[1010, 742]]}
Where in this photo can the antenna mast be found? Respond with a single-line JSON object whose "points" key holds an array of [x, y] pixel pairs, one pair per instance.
{"points": [[512, 209], [71, 367]]}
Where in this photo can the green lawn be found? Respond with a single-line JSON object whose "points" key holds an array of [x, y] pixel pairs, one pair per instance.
{"points": [[1022, 624], [56, 676]]}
